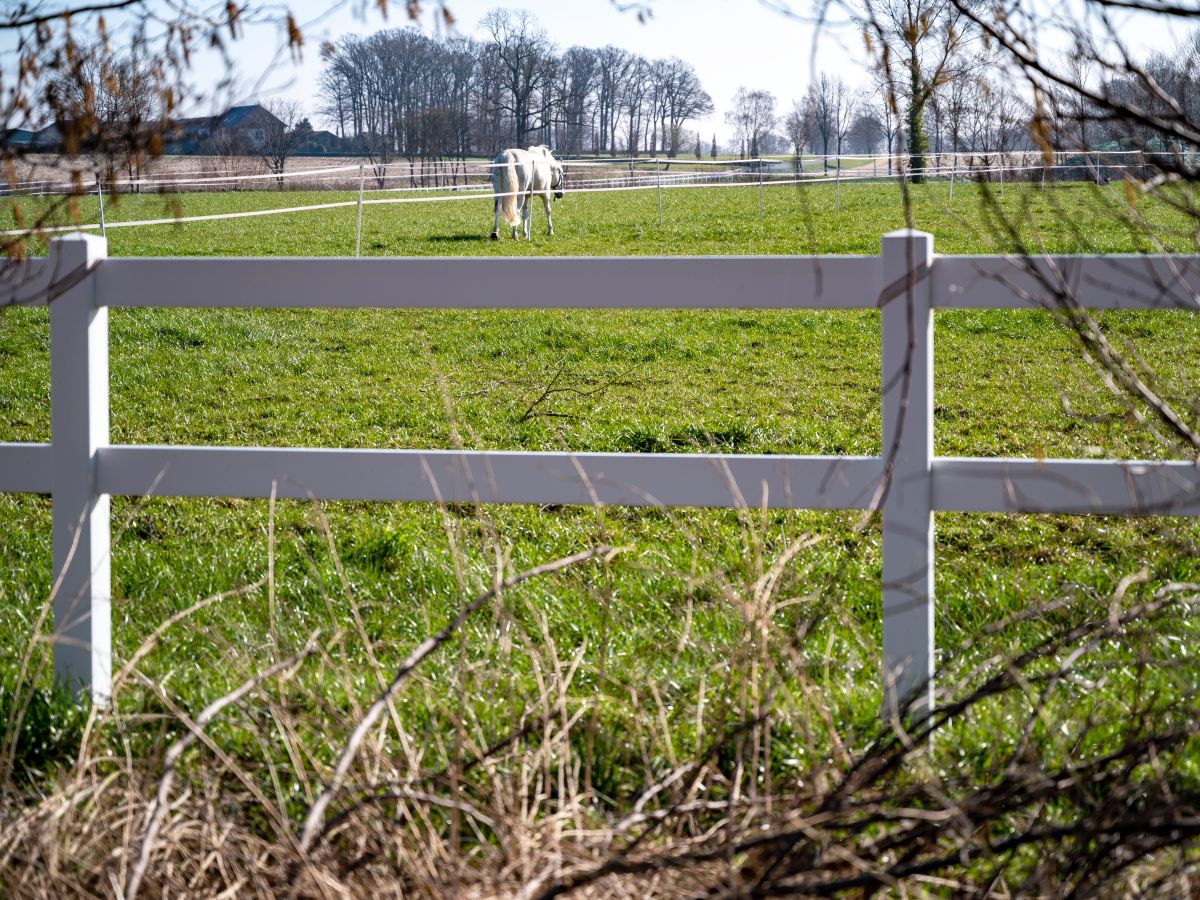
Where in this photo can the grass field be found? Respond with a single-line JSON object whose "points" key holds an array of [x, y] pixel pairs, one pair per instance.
{"points": [[664, 627], [1073, 218]]}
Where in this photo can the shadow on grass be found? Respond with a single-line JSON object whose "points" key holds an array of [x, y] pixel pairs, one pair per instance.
{"points": [[40, 730], [458, 239]]}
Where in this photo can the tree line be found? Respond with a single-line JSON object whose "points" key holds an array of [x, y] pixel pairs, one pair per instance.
{"points": [[937, 88], [934, 86], [402, 94], [970, 107]]}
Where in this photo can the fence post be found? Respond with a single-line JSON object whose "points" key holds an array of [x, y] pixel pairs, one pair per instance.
{"points": [[838, 180], [907, 373], [79, 427], [658, 180], [760, 190], [100, 196], [358, 225]]}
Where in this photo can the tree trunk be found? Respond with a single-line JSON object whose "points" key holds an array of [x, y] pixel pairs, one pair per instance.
{"points": [[918, 144]]}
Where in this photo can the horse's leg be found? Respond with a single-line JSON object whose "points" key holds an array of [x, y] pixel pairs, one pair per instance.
{"points": [[520, 214], [549, 216], [496, 220], [528, 215]]}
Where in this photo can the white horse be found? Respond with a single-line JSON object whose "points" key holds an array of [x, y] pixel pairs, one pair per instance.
{"points": [[518, 176]]}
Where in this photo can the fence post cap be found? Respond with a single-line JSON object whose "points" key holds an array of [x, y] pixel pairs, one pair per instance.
{"points": [[71, 257], [79, 247], [907, 233], [905, 247], [80, 236]]}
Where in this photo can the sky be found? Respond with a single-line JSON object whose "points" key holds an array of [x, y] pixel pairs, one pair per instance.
{"points": [[731, 43]]}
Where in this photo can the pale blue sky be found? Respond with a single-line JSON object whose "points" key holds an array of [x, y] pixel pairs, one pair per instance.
{"points": [[730, 42]]}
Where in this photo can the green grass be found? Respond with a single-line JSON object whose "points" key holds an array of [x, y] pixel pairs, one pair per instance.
{"points": [[763, 382], [1075, 218]]}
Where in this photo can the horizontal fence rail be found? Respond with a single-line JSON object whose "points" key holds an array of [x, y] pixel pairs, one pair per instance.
{"points": [[81, 470], [1077, 487], [633, 282], [618, 479], [493, 283]]}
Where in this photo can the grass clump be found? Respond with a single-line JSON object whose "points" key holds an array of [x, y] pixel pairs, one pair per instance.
{"points": [[40, 730]]}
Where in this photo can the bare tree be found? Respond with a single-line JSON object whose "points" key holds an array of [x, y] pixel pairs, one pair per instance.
{"points": [[681, 99], [613, 69], [798, 124], [334, 93], [752, 116], [120, 106], [523, 53], [401, 92], [918, 45], [865, 133], [956, 99], [280, 136], [574, 95], [634, 97], [823, 110], [883, 103], [844, 105]]}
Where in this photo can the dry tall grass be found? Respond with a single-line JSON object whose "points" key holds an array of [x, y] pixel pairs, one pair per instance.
{"points": [[289, 786]]}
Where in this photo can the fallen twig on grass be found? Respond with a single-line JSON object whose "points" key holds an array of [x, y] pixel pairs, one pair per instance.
{"points": [[158, 808]]}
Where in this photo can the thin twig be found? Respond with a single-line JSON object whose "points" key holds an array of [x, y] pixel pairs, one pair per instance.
{"points": [[316, 815], [158, 808]]}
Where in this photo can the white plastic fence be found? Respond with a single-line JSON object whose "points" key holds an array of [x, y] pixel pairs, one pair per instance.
{"points": [[81, 469]]}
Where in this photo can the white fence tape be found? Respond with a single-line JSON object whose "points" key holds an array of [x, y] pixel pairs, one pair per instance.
{"points": [[456, 167], [641, 181]]}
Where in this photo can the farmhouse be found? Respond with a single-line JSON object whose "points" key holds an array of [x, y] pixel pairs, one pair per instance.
{"points": [[239, 129], [49, 138], [17, 137]]}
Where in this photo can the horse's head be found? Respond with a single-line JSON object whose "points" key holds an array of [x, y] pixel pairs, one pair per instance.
{"points": [[556, 169]]}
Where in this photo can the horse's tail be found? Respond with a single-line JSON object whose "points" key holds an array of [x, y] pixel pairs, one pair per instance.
{"points": [[504, 180]]}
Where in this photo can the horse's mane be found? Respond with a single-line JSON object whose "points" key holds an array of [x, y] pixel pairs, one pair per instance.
{"points": [[541, 148]]}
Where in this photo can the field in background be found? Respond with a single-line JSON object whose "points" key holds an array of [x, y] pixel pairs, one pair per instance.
{"points": [[666, 622], [51, 166], [1074, 218]]}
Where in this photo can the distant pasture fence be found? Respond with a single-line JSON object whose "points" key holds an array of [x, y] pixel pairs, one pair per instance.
{"points": [[80, 469], [454, 173], [440, 182], [455, 180]]}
